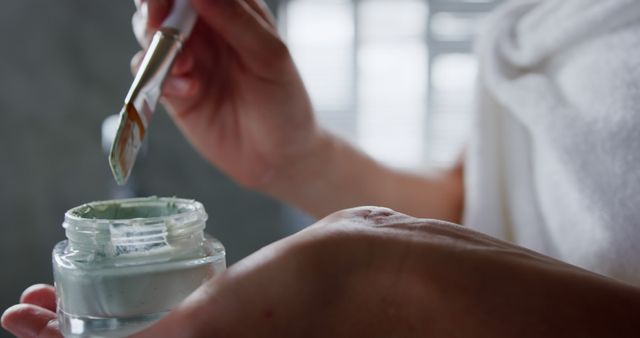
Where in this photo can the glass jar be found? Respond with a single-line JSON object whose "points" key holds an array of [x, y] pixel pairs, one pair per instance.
{"points": [[126, 263]]}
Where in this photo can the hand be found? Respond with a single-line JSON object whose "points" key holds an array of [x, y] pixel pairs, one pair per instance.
{"points": [[373, 272], [235, 93], [234, 90], [35, 316]]}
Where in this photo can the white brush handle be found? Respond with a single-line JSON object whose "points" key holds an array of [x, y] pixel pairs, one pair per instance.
{"points": [[182, 17]]}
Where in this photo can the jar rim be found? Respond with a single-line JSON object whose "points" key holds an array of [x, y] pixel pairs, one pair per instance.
{"points": [[134, 222], [97, 211]]}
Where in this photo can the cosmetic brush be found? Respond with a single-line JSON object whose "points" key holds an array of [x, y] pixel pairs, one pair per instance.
{"points": [[144, 93]]}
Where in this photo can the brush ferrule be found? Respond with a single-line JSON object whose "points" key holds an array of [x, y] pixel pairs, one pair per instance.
{"points": [[141, 101], [156, 64]]}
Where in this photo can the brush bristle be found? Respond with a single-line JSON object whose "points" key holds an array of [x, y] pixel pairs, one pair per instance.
{"points": [[125, 146]]}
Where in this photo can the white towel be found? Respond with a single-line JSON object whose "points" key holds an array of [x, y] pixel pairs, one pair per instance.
{"points": [[554, 164]]}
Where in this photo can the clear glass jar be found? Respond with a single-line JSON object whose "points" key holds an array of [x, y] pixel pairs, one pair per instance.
{"points": [[126, 263]]}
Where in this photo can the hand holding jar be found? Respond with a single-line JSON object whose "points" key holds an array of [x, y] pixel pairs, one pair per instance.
{"points": [[377, 273]]}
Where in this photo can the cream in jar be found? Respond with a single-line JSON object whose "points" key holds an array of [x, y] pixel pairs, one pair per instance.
{"points": [[126, 263]]}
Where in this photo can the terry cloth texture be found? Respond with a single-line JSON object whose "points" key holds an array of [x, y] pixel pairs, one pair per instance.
{"points": [[554, 163]]}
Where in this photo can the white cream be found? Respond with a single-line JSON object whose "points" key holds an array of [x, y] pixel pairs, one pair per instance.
{"points": [[126, 263]]}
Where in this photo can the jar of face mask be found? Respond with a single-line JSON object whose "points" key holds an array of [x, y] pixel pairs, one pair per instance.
{"points": [[126, 263]]}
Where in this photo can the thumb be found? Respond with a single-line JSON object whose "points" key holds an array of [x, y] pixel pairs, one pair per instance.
{"points": [[245, 30], [148, 18]]}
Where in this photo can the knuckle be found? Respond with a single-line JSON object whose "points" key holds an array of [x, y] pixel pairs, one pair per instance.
{"points": [[348, 214], [363, 214]]}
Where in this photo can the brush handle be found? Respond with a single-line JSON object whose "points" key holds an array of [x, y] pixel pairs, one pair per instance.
{"points": [[182, 17]]}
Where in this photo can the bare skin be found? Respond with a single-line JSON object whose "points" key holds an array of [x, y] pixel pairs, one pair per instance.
{"points": [[372, 272], [236, 95]]}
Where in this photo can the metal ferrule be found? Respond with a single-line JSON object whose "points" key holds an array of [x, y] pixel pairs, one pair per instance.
{"points": [[156, 64]]}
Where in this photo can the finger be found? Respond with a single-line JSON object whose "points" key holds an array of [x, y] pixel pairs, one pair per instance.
{"points": [[41, 295], [149, 16], [157, 12], [182, 87], [179, 84], [136, 60], [184, 63], [26, 320], [139, 23], [263, 11], [244, 30]]}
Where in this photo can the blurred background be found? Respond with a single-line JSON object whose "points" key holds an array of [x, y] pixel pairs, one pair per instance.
{"points": [[394, 77]]}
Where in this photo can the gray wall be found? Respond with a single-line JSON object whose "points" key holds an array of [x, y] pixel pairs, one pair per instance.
{"points": [[64, 66]]}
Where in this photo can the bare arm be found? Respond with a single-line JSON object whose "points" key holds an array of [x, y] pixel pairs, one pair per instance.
{"points": [[371, 272], [237, 96], [336, 176]]}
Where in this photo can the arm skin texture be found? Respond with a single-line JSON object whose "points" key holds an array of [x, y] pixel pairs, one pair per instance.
{"points": [[336, 176], [371, 272], [244, 107]]}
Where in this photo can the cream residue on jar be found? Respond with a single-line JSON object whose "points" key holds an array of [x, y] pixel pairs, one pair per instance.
{"points": [[126, 263], [115, 210]]}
